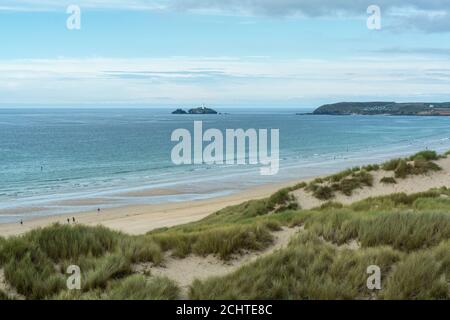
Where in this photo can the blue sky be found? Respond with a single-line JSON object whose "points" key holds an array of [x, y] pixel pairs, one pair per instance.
{"points": [[231, 53]]}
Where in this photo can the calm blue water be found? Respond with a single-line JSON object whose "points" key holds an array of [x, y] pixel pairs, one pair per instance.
{"points": [[50, 159]]}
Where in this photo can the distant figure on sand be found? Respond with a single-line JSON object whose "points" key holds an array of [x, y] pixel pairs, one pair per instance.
{"points": [[68, 220], [98, 210], [21, 222], [73, 218]]}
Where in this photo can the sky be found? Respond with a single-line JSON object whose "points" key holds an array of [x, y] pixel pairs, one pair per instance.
{"points": [[251, 53]]}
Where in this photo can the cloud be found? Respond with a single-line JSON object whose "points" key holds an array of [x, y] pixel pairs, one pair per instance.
{"points": [[423, 15], [265, 7], [427, 22], [315, 7], [414, 51], [186, 74], [222, 80], [51, 5]]}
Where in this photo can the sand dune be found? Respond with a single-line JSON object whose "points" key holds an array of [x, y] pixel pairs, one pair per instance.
{"points": [[185, 271], [411, 184]]}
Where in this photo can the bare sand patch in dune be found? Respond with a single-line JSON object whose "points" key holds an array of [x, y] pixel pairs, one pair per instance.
{"points": [[185, 271], [7, 289]]}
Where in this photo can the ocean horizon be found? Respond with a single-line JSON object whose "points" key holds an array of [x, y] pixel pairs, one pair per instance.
{"points": [[59, 161]]}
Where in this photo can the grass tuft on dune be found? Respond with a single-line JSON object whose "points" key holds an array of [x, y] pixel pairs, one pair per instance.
{"points": [[35, 263], [395, 233]]}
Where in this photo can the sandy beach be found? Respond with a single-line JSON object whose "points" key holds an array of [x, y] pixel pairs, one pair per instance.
{"points": [[140, 219]]}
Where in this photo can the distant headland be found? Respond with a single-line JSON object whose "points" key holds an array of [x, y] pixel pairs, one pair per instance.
{"points": [[385, 108], [200, 110]]}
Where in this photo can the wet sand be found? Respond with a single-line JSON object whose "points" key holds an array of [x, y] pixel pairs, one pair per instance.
{"points": [[139, 219]]}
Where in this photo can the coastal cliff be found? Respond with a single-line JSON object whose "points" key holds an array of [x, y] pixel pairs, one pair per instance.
{"points": [[388, 108]]}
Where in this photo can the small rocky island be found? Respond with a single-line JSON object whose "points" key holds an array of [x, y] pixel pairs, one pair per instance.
{"points": [[179, 111], [200, 110]]}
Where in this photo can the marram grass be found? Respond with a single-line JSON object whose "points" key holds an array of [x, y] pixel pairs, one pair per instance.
{"points": [[407, 236]]}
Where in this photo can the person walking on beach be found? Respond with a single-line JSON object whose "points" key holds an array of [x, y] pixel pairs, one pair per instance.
{"points": [[98, 210], [73, 218], [21, 222], [68, 220]]}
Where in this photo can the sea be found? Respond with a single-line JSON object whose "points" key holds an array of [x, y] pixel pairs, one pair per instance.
{"points": [[64, 160]]}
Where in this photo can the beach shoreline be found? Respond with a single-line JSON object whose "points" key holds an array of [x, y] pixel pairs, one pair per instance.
{"points": [[142, 218]]}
